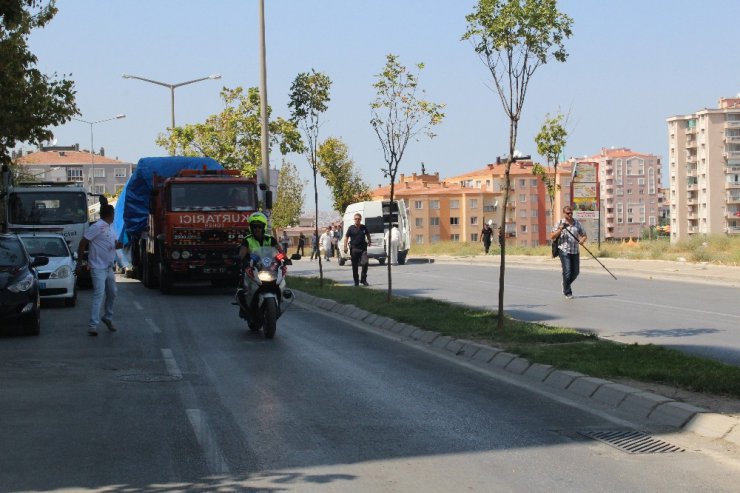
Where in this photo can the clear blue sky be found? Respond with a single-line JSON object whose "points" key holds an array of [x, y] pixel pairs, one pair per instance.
{"points": [[632, 64]]}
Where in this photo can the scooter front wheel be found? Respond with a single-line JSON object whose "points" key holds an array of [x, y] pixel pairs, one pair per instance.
{"points": [[270, 317]]}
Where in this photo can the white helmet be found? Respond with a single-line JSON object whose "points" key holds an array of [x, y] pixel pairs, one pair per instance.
{"points": [[490, 222]]}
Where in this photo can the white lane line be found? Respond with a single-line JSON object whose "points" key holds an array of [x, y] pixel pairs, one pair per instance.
{"points": [[213, 456], [169, 362], [152, 325], [138, 305]]}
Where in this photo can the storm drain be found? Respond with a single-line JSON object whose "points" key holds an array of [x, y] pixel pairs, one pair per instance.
{"points": [[633, 442]]}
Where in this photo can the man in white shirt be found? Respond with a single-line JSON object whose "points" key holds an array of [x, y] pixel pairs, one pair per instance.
{"points": [[101, 243]]}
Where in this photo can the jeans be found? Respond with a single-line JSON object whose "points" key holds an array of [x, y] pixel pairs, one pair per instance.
{"points": [[104, 285], [571, 264]]}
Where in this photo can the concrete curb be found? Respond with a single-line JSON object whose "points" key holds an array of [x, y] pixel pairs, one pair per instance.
{"points": [[657, 409]]}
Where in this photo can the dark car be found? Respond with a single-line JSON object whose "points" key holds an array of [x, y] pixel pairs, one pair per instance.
{"points": [[20, 299]]}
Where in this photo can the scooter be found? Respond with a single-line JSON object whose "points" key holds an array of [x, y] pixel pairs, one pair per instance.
{"points": [[262, 296]]}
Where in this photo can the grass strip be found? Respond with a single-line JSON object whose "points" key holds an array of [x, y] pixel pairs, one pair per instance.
{"points": [[563, 348]]}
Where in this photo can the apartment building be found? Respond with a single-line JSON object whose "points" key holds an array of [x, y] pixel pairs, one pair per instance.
{"points": [[97, 173], [704, 168], [456, 208], [630, 192]]}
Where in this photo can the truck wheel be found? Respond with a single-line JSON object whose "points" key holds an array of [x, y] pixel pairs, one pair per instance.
{"points": [[146, 271], [165, 279]]}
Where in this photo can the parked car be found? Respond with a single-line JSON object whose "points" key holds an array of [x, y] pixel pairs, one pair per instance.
{"points": [[20, 298], [57, 278]]}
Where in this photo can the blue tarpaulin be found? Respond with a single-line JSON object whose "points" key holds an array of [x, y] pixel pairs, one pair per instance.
{"points": [[132, 209]]}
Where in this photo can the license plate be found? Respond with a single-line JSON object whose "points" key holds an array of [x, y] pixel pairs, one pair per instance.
{"points": [[43, 285]]}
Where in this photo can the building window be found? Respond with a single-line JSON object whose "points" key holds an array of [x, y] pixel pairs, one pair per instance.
{"points": [[434, 239], [534, 212], [454, 204], [523, 228], [99, 189], [473, 203], [533, 182], [418, 204], [119, 172], [433, 221], [99, 172], [522, 198], [523, 213], [455, 237], [522, 183], [419, 239], [419, 222], [434, 204], [474, 237], [74, 174], [474, 220], [454, 221]]}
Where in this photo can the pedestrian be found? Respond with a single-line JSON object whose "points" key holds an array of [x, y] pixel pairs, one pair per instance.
{"points": [[301, 243], [570, 235], [335, 240], [314, 246], [325, 243], [100, 242], [285, 241], [359, 239], [486, 235]]}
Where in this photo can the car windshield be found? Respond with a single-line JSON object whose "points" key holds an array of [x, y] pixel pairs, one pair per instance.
{"points": [[11, 253], [212, 196], [45, 246]]}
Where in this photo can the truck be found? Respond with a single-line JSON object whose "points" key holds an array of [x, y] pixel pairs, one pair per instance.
{"points": [[183, 220], [376, 215], [36, 206]]}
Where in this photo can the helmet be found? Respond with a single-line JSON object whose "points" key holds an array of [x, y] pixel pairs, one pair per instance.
{"points": [[490, 222], [257, 217]]}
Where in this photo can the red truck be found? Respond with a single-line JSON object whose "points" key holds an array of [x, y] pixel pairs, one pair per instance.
{"points": [[184, 219]]}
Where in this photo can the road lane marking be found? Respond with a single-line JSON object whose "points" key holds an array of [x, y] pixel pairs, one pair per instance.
{"points": [[204, 435], [152, 325], [138, 305], [170, 363]]}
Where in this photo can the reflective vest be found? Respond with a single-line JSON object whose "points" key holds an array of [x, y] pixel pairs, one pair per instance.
{"points": [[253, 244]]}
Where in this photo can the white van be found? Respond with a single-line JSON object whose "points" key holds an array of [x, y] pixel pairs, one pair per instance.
{"points": [[375, 215]]}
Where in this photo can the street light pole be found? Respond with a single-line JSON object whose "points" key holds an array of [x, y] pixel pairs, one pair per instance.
{"points": [[92, 145], [172, 88]]}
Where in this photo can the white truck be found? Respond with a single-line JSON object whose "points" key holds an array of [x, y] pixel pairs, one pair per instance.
{"points": [[375, 216]]}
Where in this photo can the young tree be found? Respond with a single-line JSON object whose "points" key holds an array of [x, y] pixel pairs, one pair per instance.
{"points": [[289, 203], [399, 114], [30, 101], [232, 137], [338, 169], [550, 143], [514, 38], [309, 95]]}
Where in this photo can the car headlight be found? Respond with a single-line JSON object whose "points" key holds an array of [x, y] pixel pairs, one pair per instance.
{"points": [[24, 284], [62, 272], [266, 276], [185, 255], [175, 255]]}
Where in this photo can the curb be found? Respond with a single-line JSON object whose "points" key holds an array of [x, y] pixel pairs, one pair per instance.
{"points": [[657, 409]]}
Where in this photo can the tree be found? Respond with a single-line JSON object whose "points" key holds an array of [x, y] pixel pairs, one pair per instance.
{"points": [[514, 38], [550, 143], [31, 102], [289, 203], [309, 95], [399, 114], [338, 169], [232, 137]]}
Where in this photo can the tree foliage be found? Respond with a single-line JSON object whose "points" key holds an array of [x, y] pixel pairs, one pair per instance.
{"points": [[309, 95], [233, 137], [288, 206], [550, 143], [30, 101], [400, 113], [341, 175], [514, 38]]}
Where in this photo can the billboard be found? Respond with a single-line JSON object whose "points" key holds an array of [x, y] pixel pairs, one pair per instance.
{"points": [[584, 194]]}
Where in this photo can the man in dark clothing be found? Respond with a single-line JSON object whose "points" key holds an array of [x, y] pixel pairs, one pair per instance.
{"points": [[485, 236], [301, 243], [359, 239]]}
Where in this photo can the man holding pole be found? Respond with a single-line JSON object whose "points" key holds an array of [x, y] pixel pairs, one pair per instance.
{"points": [[570, 235]]}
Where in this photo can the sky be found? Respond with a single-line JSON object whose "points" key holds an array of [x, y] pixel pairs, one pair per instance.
{"points": [[631, 65]]}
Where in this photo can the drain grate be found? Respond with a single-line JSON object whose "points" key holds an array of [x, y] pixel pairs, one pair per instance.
{"points": [[633, 442]]}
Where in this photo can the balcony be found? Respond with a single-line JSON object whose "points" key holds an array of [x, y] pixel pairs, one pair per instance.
{"points": [[693, 200], [732, 139], [732, 124], [731, 155], [732, 166], [692, 130], [733, 198], [732, 185], [691, 158], [691, 143], [733, 230], [693, 216], [732, 214]]}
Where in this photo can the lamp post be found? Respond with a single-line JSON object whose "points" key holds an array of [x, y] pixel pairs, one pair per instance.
{"points": [[92, 146], [172, 88]]}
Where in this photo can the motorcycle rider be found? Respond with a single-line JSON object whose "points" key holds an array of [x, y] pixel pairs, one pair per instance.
{"points": [[255, 239]]}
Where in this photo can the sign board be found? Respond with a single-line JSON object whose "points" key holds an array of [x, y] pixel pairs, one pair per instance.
{"points": [[585, 197]]}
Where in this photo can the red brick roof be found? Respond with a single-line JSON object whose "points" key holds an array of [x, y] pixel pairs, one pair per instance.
{"points": [[56, 158]]}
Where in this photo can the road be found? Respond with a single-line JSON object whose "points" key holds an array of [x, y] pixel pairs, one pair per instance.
{"points": [[183, 398], [697, 317]]}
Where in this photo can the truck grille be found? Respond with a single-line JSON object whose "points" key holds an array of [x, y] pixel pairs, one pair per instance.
{"points": [[207, 236]]}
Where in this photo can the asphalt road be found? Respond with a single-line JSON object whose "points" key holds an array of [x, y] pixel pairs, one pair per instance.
{"points": [[697, 317], [184, 398]]}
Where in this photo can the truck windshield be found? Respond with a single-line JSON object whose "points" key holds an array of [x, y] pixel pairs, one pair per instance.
{"points": [[213, 196], [47, 207]]}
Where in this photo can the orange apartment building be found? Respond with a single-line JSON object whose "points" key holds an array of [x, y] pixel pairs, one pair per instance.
{"points": [[456, 208]]}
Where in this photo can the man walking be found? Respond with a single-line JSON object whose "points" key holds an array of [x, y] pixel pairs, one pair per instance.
{"points": [[570, 235], [101, 243], [486, 234], [359, 239]]}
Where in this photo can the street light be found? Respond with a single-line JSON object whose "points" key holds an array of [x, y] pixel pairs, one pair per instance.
{"points": [[172, 88], [92, 147]]}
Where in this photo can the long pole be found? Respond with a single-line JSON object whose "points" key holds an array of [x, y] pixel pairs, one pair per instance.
{"points": [[263, 101], [172, 106], [92, 160], [594, 256]]}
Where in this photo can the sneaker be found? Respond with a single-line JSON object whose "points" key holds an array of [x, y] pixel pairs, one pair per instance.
{"points": [[109, 324], [568, 296], [92, 332]]}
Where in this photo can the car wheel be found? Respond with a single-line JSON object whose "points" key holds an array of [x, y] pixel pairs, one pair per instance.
{"points": [[32, 324], [381, 261]]}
